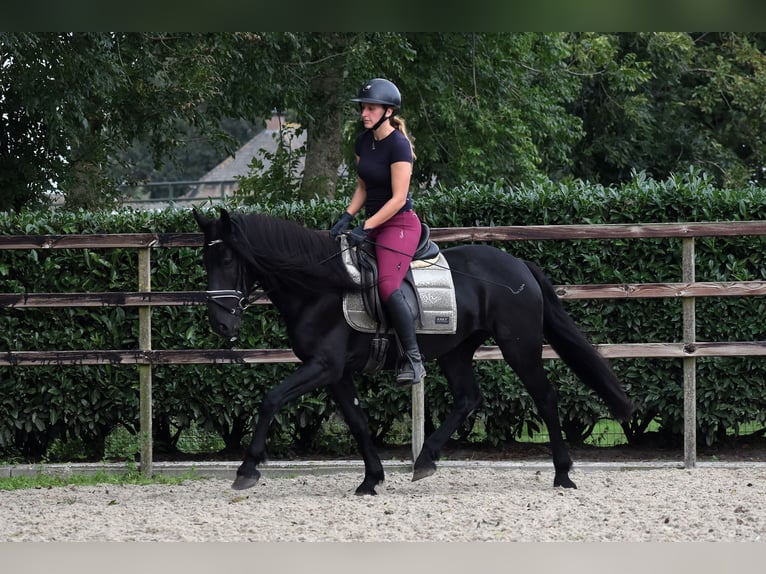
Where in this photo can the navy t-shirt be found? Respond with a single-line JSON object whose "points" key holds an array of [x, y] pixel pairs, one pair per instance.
{"points": [[374, 168]]}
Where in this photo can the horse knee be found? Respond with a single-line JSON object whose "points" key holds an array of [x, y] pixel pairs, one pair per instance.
{"points": [[469, 403]]}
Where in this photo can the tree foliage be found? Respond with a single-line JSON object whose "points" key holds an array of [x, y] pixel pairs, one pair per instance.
{"points": [[484, 107], [698, 102], [69, 103]]}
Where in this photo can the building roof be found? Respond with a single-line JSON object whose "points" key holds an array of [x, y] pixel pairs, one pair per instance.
{"points": [[238, 165]]}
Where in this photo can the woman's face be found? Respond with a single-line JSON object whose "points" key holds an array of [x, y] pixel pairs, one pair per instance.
{"points": [[371, 113]]}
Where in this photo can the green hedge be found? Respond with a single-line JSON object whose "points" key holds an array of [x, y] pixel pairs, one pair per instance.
{"points": [[42, 405]]}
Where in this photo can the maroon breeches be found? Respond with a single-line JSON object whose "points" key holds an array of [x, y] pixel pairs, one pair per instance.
{"points": [[395, 244]]}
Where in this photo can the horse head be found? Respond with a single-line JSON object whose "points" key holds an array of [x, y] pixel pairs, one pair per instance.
{"points": [[227, 276]]}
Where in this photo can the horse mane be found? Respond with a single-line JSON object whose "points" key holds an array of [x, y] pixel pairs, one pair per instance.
{"points": [[285, 253]]}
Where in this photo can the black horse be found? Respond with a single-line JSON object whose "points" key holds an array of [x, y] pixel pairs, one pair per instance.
{"points": [[302, 273]]}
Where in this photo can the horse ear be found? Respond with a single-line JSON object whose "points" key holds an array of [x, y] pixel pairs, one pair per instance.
{"points": [[202, 221], [225, 222]]}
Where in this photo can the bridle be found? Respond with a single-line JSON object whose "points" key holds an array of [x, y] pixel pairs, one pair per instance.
{"points": [[241, 297]]}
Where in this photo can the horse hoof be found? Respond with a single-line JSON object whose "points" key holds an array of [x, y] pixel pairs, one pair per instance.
{"points": [[364, 491], [423, 472], [564, 482], [244, 482]]}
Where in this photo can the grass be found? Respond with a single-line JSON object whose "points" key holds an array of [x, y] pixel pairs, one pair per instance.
{"points": [[609, 433], [101, 477], [195, 440]]}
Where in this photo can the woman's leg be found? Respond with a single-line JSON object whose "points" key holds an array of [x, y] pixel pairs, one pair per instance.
{"points": [[395, 244]]}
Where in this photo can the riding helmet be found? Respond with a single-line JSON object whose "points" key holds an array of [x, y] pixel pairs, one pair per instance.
{"points": [[379, 91]]}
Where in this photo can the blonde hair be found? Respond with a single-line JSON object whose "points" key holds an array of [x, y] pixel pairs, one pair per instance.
{"points": [[400, 125]]}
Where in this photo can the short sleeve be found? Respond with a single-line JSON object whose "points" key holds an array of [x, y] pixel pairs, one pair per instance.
{"points": [[402, 151]]}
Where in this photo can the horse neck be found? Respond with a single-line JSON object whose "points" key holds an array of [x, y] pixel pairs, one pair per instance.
{"points": [[287, 256]]}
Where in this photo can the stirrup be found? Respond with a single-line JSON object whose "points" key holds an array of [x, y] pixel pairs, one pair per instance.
{"points": [[406, 375]]}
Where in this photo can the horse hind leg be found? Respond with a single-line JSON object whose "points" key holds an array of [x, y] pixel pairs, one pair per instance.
{"points": [[528, 365], [546, 400], [457, 367]]}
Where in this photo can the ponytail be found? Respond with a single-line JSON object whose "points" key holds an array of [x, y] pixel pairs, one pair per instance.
{"points": [[400, 125]]}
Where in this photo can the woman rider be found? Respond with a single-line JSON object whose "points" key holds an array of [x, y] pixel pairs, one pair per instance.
{"points": [[384, 156]]}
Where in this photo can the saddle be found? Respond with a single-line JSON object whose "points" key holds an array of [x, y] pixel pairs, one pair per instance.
{"points": [[428, 288]]}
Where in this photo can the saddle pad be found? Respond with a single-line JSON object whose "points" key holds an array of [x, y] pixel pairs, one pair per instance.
{"points": [[437, 299]]}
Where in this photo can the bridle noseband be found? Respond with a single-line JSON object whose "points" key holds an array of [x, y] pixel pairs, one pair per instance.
{"points": [[241, 297], [217, 295]]}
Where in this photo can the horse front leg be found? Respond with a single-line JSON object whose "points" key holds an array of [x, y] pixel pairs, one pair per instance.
{"points": [[347, 400], [309, 376]]}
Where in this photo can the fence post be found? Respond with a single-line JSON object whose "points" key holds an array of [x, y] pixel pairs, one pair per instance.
{"points": [[418, 418], [690, 363], [145, 371]]}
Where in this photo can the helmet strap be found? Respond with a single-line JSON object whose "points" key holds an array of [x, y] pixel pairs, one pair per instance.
{"points": [[382, 119]]}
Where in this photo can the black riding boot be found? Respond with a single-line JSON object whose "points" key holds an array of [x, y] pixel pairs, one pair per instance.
{"points": [[411, 370]]}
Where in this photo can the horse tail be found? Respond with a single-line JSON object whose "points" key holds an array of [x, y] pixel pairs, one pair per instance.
{"points": [[576, 351]]}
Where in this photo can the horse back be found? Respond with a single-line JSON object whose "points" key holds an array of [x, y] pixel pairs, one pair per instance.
{"points": [[495, 291], [487, 264]]}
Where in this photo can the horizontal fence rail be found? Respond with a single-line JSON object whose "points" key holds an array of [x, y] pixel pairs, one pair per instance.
{"points": [[252, 356], [103, 299], [181, 298], [144, 299], [459, 234]]}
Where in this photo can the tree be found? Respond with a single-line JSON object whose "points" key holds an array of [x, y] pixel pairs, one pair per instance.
{"points": [[695, 100], [314, 75], [728, 100], [502, 107], [480, 106], [69, 103], [488, 107]]}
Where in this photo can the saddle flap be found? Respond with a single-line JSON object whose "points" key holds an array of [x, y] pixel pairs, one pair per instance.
{"points": [[436, 292], [431, 280]]}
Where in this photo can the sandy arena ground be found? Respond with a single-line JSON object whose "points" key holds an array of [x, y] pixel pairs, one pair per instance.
{"points": [[658, 505]]}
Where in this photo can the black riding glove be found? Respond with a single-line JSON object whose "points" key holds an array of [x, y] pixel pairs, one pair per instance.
{"points": [[342, 225], [357, 236]]}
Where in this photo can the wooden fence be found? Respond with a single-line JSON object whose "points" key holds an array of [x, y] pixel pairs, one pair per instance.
{"points": [[144, 298]]}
